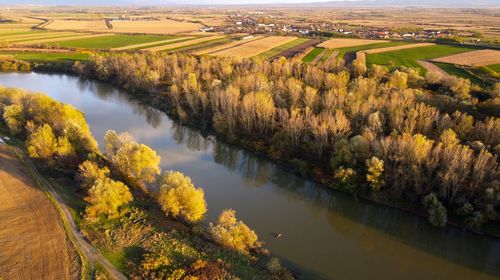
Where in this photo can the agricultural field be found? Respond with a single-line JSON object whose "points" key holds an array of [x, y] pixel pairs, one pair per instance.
{"points": [[281, 48], [235, 43], [410, 57], [33, 241], [473, 58], [459, 72], [311, 56], [254, 47], [44, 56], [398, 47], [179, 45], [338, 43], [81, 25], [154, 44], [112, 41]]}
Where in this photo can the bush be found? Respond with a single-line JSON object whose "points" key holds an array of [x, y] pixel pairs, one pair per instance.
{"points": [[105, 197], [234, 234], [375, 170], [42, 144], [180, 198], [438, 215], [274, 265]]}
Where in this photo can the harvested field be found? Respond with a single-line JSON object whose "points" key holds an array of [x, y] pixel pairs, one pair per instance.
{"points": [[229, 45], [145, 45], [474, 58], [154, 26], [59, 39], [90, 25], [182, 44], [255, 47], [33, 241], [400, 47], [344, 43]]}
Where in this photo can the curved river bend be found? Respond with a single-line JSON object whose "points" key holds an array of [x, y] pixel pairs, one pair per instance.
{"points": [[326, 235]]}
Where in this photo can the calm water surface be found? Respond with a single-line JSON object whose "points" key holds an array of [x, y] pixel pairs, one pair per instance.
{"points": [[326, 235]]}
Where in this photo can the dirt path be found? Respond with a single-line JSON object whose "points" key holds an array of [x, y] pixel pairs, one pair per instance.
{"points": [[33, 242], [91, 254], [85, 247], [431, 67]]}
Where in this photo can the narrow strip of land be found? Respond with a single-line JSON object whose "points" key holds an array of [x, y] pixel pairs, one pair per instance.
{"points": [[431, 67], [400, 47]]}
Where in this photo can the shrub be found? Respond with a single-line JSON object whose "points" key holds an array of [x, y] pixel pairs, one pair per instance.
{"points": [[375, 170], [437, 212], [234, 234], [180, 198], [105, 197], [274, 265]]}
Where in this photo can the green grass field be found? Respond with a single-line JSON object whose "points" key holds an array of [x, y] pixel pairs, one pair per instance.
{"points": [[279, 49], [310, 56], [40, 56], [343, 51], [409, 57], [112, 41], [494, 67], [5, 34], [459, 72], [326, 55]]}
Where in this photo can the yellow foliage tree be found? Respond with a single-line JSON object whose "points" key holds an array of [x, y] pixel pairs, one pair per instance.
{"points": [[231, 233], [89, 172], [105, 197], [375, 170], [42, 143], [180, 198]]}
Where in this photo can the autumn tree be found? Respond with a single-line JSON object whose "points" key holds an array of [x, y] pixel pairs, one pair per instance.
{"points": [[106, 196], [179, 198], [135, 161], [233, 234]]}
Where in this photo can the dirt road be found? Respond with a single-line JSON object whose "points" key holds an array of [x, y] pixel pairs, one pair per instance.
{"points": [[33, 242]]}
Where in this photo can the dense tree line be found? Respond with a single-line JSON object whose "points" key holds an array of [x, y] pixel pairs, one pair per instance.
{"points": [[58, 136], [376, 130]]}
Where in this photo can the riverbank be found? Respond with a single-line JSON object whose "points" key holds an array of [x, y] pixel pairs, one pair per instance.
{"points": [[273, 200]]}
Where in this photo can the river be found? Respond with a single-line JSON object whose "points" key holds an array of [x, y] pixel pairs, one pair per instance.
{"points": [[326, 234]]}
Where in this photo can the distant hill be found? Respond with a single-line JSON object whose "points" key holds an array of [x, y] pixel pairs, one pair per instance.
{"points": [[335, 3]]}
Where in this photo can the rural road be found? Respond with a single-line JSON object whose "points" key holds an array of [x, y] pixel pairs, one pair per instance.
{"points": [[91, 254]]}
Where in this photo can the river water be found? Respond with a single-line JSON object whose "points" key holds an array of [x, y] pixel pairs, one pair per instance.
{"points": [[326, 234]]}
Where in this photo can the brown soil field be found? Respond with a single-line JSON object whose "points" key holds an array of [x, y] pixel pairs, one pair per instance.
{"points": [[94, 25], [229, 45], [33, 242], [344, 43], [402, 47], [59, 39], [182, 44], [149, 44], [254, 47], [474, 58]]}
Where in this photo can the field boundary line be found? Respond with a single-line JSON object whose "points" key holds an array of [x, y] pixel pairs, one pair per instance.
{"points": [[171, 40], [400, 47]]}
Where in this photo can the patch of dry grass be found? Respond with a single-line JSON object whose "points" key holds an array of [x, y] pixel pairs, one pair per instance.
{"points": [[474, 58]]}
